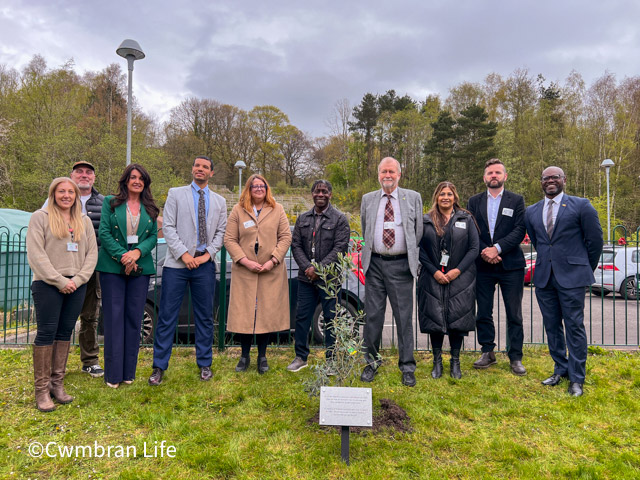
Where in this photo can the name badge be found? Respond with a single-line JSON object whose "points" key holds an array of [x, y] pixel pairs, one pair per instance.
{"points": [[72, 247], [389, 225], [444, 260], [461, 225], [132, 239], [508, 212], [249, 224]]}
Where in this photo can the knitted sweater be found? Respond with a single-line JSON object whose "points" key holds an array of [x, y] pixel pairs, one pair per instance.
{"points": [[48, 256]]}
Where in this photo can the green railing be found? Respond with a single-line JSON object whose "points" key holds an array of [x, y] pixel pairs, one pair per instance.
{"points": [[612, 319]]}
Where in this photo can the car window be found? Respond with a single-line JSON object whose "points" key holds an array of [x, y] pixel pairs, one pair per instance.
{"points": [[635, 255], [607, 257]]}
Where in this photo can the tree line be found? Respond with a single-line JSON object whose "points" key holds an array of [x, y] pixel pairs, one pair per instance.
{"points": [[52, 117]]}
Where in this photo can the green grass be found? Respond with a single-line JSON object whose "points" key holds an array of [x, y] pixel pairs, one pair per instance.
{"points": [[490, 424]]}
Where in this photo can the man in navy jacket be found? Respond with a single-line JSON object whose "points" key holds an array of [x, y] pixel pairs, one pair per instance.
{"points": [[566, 233], [500, 217]]}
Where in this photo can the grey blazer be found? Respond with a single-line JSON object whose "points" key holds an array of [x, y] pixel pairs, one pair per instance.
{"points": [[180, 225], [411, 211]]}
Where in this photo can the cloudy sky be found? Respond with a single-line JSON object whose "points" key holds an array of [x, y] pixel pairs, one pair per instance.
{"points": [[303, 56]]}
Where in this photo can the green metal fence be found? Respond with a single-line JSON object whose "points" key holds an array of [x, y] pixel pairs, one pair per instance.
{"points": [[612, 304]]}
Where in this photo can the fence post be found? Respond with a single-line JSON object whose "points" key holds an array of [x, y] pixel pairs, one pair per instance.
{"points": [[222, 299]]}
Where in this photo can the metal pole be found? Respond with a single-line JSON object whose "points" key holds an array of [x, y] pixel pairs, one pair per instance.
{"points": [[130, 60], [344, 444], [239, 180], [608, 209]]}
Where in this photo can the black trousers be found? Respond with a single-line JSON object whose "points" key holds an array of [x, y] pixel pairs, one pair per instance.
{"points": [[56, 313], [511, 286]]}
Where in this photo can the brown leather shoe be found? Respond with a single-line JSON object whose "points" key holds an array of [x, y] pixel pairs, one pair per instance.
{"points": [[517, 368], [486, 360], [156, 377], [58, 367], [205, 374], [42, 377]]}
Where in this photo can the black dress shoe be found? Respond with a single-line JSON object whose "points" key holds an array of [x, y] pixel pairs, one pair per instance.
{"points": [[243, 364], [575, 389], [156, 377], [263, 366], [485, 361], [368, 374], [553, 380], [409, 379], [205, 374]]}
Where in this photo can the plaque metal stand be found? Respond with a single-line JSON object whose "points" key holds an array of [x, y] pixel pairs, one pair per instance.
{"points": [[345, 407]]}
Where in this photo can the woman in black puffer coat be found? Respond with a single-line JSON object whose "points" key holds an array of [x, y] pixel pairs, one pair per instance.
{"points": [[447, 282]]}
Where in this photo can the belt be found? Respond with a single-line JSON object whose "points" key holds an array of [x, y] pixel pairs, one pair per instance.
{"points": [[390, 257], [198, 254]]}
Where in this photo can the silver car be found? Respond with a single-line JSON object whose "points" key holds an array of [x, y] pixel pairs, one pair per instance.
{"points": [[618, 271]]}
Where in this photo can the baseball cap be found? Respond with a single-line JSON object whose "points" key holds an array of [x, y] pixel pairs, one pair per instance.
{"points": [[83, 163]]}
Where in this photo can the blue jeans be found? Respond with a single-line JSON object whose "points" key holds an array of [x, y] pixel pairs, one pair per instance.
{"points": [[202, 283], [56, 313], [123, 299], [309, 296]]}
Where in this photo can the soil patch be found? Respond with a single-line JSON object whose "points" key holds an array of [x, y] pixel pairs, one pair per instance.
{"points": [[390, 416]]}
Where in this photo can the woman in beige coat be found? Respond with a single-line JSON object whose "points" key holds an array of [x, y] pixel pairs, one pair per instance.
{"points": [[257, 239]]}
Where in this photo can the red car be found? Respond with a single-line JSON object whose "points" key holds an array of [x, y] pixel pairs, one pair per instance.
{"points": [[530, 258]]}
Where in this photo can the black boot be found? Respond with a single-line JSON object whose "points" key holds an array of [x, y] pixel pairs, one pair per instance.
{"points": [[455, 364], [437, 363]]}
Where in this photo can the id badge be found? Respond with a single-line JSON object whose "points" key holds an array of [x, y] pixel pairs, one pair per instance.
{"points": [[132, 239], [249, 224], [444, 260], [389, 225], [72, 247]]}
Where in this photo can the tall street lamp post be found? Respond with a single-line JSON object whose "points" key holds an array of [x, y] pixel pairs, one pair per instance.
{"points": [[240, 165], [607, 164], [130, 49]]}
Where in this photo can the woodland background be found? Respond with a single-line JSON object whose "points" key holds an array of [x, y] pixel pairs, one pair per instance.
{"points": [[52, 117]]}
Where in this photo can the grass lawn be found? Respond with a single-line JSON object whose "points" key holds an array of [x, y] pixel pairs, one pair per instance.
{"points": [[490, 424]]}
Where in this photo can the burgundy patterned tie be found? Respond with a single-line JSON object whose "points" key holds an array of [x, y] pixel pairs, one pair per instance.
{"points": [[388, 234]]}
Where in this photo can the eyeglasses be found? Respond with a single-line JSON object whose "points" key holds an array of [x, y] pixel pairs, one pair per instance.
{"points": [[546, 178], [258, 187]]}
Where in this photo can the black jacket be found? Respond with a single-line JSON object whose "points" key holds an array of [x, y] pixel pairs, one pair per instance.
{"points": [[509, 230], [94, 209], [451, 307], [331, 239]]}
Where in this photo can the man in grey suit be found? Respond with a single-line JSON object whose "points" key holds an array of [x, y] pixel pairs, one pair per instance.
{"points": [[392, 228], [195, 219]]}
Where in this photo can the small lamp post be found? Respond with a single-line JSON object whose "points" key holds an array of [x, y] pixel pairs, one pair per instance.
{"points": [[240, 165], [607, 164], [130, 49]]}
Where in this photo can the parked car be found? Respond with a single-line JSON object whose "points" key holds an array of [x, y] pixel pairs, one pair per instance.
{"points": [[352, 297], [529, 269], [618, 271]]}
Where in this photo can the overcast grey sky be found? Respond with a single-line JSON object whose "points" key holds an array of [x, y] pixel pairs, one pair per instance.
{"points": [[303, 56]]}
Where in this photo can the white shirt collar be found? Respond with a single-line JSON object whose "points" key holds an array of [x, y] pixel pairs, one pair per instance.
{"points": [[499, 195], [394, 194]]}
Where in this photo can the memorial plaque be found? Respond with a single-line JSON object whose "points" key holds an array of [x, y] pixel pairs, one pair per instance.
{"points": [[346, 406]]}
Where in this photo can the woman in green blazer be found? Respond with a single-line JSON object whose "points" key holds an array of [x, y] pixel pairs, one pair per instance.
{"points": [[128, 234]]}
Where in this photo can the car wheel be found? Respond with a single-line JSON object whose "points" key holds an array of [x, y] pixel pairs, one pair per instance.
{"points": [[630, 286], [318, 321], [597, 292], [148, 322]]}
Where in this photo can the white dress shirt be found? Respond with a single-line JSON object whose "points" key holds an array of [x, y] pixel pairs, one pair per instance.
{"points": [[557, 200]]}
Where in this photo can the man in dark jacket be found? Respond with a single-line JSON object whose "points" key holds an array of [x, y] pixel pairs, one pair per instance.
{"points": [[319, 235], [84, 175], [500, 217]]}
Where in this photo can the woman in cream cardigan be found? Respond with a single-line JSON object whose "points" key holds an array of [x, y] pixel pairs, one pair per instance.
{"points": [[62, 253]]}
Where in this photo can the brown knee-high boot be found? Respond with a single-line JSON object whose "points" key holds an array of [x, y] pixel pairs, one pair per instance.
{"points": [[59, 365], [42, 376]]}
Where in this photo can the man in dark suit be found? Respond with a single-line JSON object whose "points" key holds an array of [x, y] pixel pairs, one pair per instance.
{"points": [[500, 217], [392, 228], [566, 233]]}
